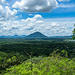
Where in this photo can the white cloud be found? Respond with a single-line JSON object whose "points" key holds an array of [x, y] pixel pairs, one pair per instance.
{"points": [[59, 26], [33, 19], [6, 13], [63, 0], [35, 5], [37, 16], [30, 14], [39, 22], [20, 27], [2, 1], [49, 27], [54, 24], [31, 22], [66, 5]]}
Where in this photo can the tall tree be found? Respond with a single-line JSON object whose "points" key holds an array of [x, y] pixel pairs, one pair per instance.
{"points": [[73, 37]]}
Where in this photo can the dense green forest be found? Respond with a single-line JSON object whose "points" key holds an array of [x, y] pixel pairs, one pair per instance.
{"points": [[37, 57]]}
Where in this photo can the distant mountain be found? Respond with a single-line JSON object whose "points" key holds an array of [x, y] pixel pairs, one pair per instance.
{"points": [[61, 36], [36, 35], [15, 36]]}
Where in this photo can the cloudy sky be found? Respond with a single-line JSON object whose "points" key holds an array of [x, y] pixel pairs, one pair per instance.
{"points": [[50, 17]]}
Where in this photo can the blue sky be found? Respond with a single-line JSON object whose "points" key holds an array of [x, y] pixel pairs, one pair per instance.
{"points": [[50, 17]]}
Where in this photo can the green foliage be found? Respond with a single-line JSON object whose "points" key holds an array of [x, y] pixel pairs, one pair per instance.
{"points": [[12, 52], [62, 53], [8, 60], [74, 32], [73, 37], [44, 66]]}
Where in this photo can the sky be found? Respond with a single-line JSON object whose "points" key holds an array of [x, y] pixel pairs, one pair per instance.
{"points": [[50, 17]]}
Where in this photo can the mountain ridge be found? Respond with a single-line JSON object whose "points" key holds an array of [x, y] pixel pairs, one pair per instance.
{"points": [[14, 36]]}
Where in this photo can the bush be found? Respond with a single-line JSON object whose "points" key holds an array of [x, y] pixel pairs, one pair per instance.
{"points": [[44, 66]]}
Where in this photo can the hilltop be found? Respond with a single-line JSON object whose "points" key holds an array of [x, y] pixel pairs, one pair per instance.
{"points": [[36, 35]]}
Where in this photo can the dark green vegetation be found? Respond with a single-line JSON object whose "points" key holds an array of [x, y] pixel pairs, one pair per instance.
{"points": [[73, 37], [56, 57]]}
